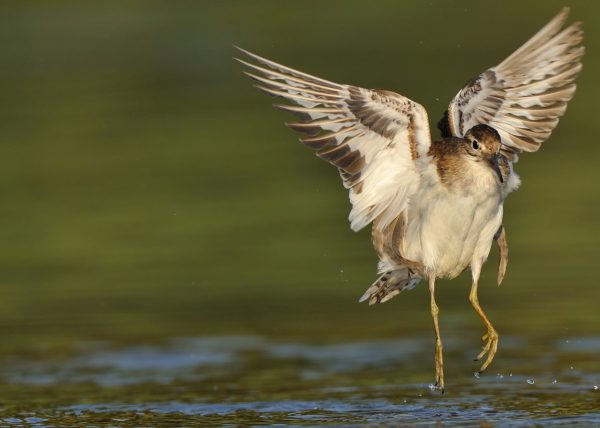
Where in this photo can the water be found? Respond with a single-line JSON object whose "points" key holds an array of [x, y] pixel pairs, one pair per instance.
{"points": [[172, 256], [254, 380]]}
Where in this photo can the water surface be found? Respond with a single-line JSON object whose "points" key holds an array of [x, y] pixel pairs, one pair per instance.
{"points": [[253, 380]]}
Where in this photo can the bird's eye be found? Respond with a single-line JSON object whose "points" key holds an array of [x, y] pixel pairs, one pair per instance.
{"points": [[475, 144]]}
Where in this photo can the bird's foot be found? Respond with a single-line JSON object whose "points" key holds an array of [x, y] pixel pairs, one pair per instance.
{"points": [[490, 348], [439, 383]]}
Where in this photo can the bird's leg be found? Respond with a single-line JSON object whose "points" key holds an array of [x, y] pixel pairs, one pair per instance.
{"points": [[500, 238], [439, 360], [491, 337]]}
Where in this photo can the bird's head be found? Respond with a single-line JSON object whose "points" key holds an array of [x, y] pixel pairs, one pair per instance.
{"points": [[483, 140], [483, 143]]}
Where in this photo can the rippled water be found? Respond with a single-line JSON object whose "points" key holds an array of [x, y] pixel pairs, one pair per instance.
{"points": [[253, 380]]}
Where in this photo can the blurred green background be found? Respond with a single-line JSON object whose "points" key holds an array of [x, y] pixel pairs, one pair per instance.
{"points": [[148, 191]]}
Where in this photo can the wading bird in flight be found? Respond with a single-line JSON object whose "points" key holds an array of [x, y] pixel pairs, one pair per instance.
{"points": [[435, 207]]}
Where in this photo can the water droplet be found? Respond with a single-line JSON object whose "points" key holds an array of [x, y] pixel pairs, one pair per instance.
{"points": [[571, 367], [567, 341], [554, 382], [530, 381], [596, 388], [510, 375], [476, 374]]}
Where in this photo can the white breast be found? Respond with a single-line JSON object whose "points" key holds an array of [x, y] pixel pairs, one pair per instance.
{"points": [[448, 225]]}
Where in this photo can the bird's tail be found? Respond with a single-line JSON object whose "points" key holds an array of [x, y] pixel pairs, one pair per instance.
{"points": [[390, 284]]}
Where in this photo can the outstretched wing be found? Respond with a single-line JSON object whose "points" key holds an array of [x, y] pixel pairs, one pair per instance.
{"points": [[523, 97], [373, 137]]}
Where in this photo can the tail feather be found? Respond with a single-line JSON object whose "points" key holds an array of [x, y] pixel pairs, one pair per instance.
{"points": [[390, 284]]}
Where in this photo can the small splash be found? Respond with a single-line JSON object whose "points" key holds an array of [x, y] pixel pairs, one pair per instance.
{"points": [[530, 381], [476, 374], [596, 388], [554, 382], [499, 375], [433, 387]]}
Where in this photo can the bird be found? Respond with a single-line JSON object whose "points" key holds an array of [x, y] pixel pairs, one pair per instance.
{"points": [[435, 207]]}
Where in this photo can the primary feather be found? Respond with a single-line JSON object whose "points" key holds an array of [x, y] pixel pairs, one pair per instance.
{"points": [[374, 137], [524, 96]]}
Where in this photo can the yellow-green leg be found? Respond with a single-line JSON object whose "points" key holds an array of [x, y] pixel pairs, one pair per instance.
{"points": [[491, 337], [439, 359]]}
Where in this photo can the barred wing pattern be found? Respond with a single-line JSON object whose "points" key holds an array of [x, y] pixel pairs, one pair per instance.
{"points": [[524, 96], [375, 138]]}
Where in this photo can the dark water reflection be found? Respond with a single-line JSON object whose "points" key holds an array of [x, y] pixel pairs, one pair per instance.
{"points": [[254, 380]]}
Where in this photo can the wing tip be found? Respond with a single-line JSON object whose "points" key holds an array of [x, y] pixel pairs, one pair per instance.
{"points": [[240, 49], [561, 16], [255, 57]]}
